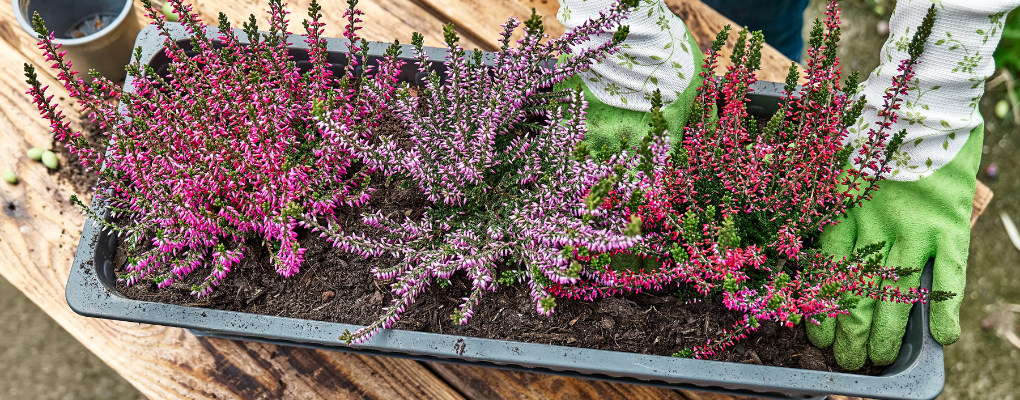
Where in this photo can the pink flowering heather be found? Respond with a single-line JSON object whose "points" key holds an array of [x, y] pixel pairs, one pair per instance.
{"points": [[735, 207], [224, 149], [493, 148]]}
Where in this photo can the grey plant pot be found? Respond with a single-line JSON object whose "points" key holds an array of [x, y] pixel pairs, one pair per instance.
{"points": [[107, 50], [91, 291]]}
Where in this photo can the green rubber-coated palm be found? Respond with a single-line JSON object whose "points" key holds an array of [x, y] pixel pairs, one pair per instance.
{"points": [[917, 220]]}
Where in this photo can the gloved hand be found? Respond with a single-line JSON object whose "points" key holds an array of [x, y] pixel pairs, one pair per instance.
{"points": [[659, 53], [923, 210]]}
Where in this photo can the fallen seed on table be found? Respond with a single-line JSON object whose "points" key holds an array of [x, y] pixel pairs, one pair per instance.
{"points": [[168, 11], [35, 153], [10, 177], [49, 159]]}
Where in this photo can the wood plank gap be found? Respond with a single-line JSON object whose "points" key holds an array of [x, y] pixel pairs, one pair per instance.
{"points": [[464, 32], [430, 366]]}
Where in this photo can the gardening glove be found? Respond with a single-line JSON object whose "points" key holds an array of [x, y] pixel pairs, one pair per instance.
{"points": [[923, 209], [658, 53]]}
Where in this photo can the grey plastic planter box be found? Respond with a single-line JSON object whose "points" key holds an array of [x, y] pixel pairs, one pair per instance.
{"points": [[916, 374]]}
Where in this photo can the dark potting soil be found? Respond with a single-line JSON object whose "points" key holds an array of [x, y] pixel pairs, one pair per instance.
{"points": [[70, 170], [336, 286]]}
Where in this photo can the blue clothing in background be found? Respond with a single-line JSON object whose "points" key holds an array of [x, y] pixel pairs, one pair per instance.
{"points": [[782, 21]]}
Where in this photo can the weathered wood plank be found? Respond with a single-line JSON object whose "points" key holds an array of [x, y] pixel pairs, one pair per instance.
{"points": [[490, 383], [384, 20], [692, 395], [982, 196], [704, 23], [39, 232], [484, 19]]}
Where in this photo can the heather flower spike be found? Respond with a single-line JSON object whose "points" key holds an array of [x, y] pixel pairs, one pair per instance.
{"points": [[492, 147], [222, 149]]}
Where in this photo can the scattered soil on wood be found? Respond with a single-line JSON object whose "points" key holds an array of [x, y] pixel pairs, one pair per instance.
{"points": [[70, 170], [336, 286]]}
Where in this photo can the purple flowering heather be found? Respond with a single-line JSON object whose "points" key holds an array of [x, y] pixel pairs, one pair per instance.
{"points": [[493, 147], [224, 149]]}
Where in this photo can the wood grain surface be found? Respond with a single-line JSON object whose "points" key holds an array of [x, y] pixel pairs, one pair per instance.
{"points": [[982, 196], [39, 231], [498, 384], [485, 17]]}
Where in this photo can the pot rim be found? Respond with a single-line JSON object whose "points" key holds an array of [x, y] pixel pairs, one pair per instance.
{"points": [[20, 10]]}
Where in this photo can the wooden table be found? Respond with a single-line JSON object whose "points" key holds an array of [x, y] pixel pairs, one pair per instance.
{"points": [[39, 231]]}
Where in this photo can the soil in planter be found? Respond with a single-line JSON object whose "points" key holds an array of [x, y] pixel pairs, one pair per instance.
{"points": [[336, 286]]}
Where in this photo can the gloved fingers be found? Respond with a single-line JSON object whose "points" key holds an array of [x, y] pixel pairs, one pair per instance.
{"points": [[836, 240], [889, 322], [839, 240], [853, 330], [949, 274], [822, 335], [850, 344]]}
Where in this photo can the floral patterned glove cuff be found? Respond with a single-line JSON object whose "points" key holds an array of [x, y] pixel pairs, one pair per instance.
{"points": [[659, 53], [941, 107]]}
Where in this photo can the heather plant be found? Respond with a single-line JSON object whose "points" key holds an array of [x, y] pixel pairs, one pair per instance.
{"points": [[735, 208], [497, 151], [223, 149]]}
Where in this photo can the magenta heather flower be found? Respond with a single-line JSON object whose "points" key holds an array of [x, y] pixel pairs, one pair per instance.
{"points": [[492, 146], [225, 148]]}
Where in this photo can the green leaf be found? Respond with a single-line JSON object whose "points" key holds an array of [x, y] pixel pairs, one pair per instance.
{"points": [[668, 45], [936, 87], [952, 135], [944, 123], [676, 65], [655, 57], [655, 81], [684, 46], [980, 31], [945, 145], [940, 42], [928, 163], [918, 141]]}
